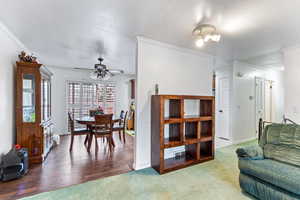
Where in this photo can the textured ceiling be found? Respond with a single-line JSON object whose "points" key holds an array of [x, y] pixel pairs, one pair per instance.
{"points": [[72, 33]]}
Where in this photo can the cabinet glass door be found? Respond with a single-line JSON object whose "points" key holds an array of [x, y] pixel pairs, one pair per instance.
{"points": [[46, 99], [29, 98]]}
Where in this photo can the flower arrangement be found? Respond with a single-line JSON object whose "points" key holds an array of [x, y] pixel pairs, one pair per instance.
{"points": [[100, 111], [27, 58]]}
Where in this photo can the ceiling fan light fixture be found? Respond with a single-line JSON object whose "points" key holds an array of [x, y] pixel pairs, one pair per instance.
{"points": [[101, 71], [206, 33], [216, 37], [207, 38], [106, 77], [94, 75], [199, 42]]}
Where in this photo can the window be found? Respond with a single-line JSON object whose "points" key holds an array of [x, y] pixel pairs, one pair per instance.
{"points": [[83, 97]]}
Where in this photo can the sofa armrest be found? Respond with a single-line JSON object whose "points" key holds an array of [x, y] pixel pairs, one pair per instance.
{"points": [[250, 153]]}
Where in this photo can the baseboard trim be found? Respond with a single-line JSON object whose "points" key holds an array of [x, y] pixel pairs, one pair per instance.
{"points": [[141, 166], [244, 140]]}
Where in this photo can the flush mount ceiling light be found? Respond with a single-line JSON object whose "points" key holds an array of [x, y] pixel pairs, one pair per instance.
{"points": [[206, 33]]}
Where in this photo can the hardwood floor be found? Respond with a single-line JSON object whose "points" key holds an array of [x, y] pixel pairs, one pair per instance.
{"points": [[62, 168]]}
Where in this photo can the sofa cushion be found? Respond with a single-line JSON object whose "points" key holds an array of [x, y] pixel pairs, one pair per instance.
{"points": [[282, 153], [276, 173], [253, 152], [283, 134]]}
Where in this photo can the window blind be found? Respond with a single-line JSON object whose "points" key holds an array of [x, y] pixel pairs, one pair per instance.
{"points": [[84, 96]]}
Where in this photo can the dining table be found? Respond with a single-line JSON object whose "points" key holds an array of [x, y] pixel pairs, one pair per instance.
{"points": [[90, 121]]}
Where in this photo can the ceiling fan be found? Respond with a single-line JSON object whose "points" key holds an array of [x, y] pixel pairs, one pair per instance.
{"points": [[101, 71]]}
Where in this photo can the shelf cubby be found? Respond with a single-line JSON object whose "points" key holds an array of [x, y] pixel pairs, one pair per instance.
{"points": [[191, 130], [172, 134], [181, 123], [206, 108], [188, 155], [206, 129], [172, 109], [206, 150], [191, 108]]}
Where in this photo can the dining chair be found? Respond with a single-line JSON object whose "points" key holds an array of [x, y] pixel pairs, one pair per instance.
{"points": [[93, 113], [103, 129], [76, 131], [121, 127]]}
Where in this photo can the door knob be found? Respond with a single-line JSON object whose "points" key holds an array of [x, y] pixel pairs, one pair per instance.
{"points": [[220, 111]]}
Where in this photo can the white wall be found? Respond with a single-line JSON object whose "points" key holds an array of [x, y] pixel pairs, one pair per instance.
{"points": [[243, 109], [59, 92], [123, 92], [177, 71], [10, 48], [292, 80], [272, 59]]}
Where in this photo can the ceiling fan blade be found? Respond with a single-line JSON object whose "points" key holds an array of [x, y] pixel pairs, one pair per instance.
{"points": [[112, 71], [111, 74], [116, 71]]}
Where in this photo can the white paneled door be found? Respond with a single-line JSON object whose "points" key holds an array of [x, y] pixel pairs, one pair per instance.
{"points": [[259, 100], [223, 108]]}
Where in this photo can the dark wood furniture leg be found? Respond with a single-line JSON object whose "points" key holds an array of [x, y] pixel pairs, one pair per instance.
{"points": [[113, 142], [86, 139], [120, 136], [124, 138], [96, 143], [87, 135], [260, 128], [90, 139], [72, 140]]}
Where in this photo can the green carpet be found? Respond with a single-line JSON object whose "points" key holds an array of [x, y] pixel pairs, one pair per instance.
{"points": [[216, 180]]}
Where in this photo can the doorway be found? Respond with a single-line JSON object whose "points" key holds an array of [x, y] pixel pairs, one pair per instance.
{"points": [[264, 100], [223, 136]]}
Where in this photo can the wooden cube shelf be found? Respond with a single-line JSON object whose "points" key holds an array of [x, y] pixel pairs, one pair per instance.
{"points": [[174, 124]]}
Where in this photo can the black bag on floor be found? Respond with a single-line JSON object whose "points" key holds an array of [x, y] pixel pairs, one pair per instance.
{"points": [[14, 164]]}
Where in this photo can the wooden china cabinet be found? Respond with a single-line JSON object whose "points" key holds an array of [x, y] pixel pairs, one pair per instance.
{"points": [[33, 110]]}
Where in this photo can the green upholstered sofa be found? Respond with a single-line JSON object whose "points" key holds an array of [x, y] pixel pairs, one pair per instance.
{"points": [[271, 170]]}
